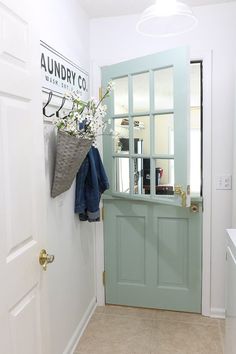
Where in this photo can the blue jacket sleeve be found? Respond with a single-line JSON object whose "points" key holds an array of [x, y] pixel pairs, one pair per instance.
{"points": [[80, 197], [91, 182]]}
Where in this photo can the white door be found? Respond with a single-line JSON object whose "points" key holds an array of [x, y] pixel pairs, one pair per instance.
{"points": [[22, 179]]}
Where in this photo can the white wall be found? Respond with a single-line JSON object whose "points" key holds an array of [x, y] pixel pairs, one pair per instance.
{"points": [[70, 279], [115, 39]]}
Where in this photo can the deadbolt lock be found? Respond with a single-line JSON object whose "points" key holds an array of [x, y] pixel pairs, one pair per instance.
{"points": [[194, 208], [45, 259]]}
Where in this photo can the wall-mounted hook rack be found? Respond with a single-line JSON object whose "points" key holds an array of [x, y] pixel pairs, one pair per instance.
{"points": [[61, 106], [47, 103], [57, 113]]}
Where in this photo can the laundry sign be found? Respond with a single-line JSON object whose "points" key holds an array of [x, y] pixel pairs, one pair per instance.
{"points": [[60, 75]]}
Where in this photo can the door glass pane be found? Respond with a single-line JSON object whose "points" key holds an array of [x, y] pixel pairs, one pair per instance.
{"points": [[141, 93], [122, 175], [138, 176], [121, 95], [164, 89], [121, 140], [195, 128], [144, 122], [141, 133], [164, 176], [146, 176], [164, 134]]}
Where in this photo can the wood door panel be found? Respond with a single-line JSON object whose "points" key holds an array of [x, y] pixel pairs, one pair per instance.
{"points": [[172, 252], [15, 38], [159, 255], [131, 236], [18, 171], [15, 54], [22, 324]]}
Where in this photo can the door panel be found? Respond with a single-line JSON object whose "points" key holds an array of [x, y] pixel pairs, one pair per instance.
{"points": [[22, 179], [172, 252], [149, 112], [17, 182], [131, 235], [22, 321], [152, 255], [152, 246]]}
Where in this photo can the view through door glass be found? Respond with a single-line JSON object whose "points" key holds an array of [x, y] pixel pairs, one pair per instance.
{"points": [[144, 143], [196, 128]]}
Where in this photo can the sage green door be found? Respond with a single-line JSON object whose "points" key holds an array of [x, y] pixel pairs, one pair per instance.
{"points": [[152, 237]]}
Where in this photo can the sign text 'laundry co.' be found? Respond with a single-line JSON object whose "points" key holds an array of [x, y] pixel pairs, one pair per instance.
{"points": [[61, 75]]}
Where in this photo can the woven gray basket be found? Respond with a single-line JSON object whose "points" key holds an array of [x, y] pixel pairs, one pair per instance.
{"points": [[71, 152]]}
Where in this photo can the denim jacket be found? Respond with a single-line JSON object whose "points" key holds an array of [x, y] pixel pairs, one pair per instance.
{"points": [[91, 182]]}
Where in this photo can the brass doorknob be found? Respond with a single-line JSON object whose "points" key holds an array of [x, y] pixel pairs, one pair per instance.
{"points": [[45, 259]]}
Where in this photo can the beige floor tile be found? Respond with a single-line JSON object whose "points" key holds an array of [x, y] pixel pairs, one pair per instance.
{"points": [[185, 338], [100, 309], [130, 311], [222, 328], [116, 334], [125, 330], [222, 333], [185, 317]]}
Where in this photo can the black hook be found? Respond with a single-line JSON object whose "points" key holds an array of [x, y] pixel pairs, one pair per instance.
{"points": [[61, 106], [44, 108]]}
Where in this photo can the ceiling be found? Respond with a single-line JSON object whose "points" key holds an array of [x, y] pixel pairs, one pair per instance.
{"points": [[106, 8]]}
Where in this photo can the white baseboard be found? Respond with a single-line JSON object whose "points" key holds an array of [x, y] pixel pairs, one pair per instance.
{"points": [[70, 348], [217, 313]]}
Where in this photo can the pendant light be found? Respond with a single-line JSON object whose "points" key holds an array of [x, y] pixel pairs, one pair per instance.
{"points": [[166, 18]]}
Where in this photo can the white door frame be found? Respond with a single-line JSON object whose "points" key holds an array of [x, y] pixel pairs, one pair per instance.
{"points": [[207, 192], [207, 185]]}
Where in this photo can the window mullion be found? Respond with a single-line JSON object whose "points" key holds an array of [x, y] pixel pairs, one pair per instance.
{"points": [[152, 135], [131, 134]]}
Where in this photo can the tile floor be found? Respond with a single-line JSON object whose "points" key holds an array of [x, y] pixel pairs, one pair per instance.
{"points": [[125, 330]]}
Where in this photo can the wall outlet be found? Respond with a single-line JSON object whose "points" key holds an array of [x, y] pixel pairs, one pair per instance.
{"points": [[224, 182]]}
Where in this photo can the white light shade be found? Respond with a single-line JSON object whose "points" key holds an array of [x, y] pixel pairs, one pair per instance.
{"points": [[166, 18]]}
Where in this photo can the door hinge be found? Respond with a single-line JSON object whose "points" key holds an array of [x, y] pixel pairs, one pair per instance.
{"points": [[104, 278], [103, 213]]}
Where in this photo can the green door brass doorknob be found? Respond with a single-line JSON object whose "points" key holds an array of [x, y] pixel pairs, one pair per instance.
{"points": [[45, 259]]}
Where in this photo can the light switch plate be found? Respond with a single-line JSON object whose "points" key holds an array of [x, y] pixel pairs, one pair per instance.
{"points": [[224, 182]]}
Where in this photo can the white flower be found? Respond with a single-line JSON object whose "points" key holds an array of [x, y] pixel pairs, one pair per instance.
{"points": [[86, 118], [110, 85]]}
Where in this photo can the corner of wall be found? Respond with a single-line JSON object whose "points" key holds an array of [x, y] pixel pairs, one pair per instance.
{"points": [[217, 313], [73, 342]]}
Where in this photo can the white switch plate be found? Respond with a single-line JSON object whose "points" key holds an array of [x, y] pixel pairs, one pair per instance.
{"points": [[224, 182]]}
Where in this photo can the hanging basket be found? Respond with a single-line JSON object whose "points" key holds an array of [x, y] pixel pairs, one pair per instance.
{"points": [[71, 152]]}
